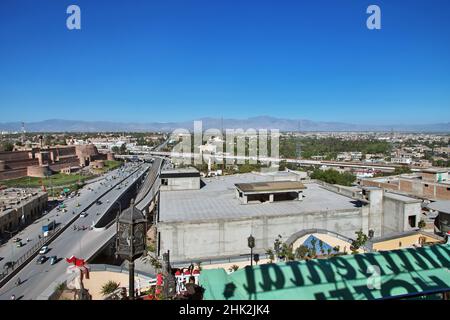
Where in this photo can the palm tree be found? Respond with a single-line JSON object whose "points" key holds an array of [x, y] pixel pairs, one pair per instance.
{"points": [[233, 268], [109, 287]]}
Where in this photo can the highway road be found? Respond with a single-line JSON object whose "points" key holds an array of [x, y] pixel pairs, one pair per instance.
{"points": [[38, 277], [88, 194]]}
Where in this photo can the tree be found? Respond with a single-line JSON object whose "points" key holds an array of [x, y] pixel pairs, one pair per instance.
{"points": [[334, 177], [422, 224], [361, 239], [233, 268], [301, 252], [123, 149], [115, 149], [109, 287], [6, 146], [270, 255]]}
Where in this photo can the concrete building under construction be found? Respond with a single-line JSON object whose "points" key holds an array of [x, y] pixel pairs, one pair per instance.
{"points": [[214, 221]]}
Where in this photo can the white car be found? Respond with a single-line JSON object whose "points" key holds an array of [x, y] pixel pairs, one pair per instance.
{"points": [[43, 250], [83, 215]]}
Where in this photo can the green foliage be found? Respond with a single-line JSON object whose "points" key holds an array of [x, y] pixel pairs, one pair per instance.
{"points": [[282, 250], [60, 287], [151, 247], [109, 287], [246, 168], [59, 179], [441, 163], [115, 149], [330, 147], [361, 239], [6, 146], [154, 262], [233, 268], [270, 254], [301, 252], [422, 224], [334, 177], [123, 149]]}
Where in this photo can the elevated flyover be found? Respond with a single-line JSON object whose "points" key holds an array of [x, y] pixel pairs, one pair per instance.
{"points": [[76, 240]]}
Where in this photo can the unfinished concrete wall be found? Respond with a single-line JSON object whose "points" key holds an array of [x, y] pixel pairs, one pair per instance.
{"points": [[392, 218], [206, 239], [188, 183]]}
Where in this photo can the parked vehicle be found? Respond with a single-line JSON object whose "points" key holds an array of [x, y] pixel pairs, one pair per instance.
{"points": [[53, 260], [43, 250], [49, 226], [19, 244], [83, 214], [41, 260]]}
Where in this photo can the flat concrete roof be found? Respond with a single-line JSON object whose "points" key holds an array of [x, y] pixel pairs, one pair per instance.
{"points": [[270, 186], [401, 198], [441, 206], [435, 170], [217, 200], [180, 173]]}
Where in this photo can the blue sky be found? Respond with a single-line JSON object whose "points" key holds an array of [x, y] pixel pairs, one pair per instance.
{"points": [[172, 60]]}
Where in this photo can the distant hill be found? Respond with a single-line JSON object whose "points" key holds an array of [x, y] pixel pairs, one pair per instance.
{"points": [[261, 122]]}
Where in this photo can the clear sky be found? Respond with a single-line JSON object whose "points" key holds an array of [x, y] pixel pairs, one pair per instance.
{"points": [[167, 60]]}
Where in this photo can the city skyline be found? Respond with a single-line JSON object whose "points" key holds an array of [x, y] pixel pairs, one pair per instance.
{"points": [[159, 62]]}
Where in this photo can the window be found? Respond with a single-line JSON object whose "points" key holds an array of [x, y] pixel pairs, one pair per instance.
{"points": [[164, 182], [426, 185]]}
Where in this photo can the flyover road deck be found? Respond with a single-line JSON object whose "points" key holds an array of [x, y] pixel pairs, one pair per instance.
{"points": [[38, 277]]}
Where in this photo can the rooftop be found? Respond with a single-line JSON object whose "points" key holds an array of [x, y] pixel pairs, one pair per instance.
{"points": [[11, 198], [180, 172], [441, 206], [435, 170], [217, 200], [401, 198], [270, 186]]}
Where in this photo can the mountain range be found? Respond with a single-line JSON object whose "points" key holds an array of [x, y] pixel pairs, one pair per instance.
{"points": [[261, 122]]}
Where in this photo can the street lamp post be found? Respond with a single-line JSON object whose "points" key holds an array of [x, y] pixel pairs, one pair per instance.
{"points": [[131, 239], [251, 245]]}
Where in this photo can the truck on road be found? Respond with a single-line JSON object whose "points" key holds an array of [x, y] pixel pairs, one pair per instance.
{"points": [[48, 227]]}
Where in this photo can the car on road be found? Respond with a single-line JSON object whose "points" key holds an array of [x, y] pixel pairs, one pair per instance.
{"points": [[19, 244], [41, 260], [83, 214], [99, 202], [53, 260], [43, 250], [8, 264], [17, 240]]}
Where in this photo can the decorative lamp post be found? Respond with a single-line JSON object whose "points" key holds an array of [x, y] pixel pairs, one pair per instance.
{"points": [[131, 239], [251, 245], [256, 258]]}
